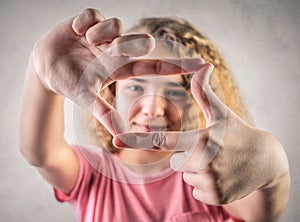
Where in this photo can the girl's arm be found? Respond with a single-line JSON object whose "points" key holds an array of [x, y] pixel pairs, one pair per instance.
{"points": [[57, 63], [41, 134]]}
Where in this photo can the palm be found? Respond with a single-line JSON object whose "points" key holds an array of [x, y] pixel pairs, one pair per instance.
{"points": [[65, 56]]}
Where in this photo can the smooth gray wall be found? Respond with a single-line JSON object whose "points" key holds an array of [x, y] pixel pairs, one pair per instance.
{"points": [[259, 38]]}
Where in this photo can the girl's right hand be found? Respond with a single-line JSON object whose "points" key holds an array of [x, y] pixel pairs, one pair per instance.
{"points": [[80, 56]]}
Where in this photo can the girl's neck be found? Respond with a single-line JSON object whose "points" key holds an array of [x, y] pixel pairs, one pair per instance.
{"points": [[145, 161]]}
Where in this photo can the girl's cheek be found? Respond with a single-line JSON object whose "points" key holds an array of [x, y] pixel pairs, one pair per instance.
{"points": [[184, 115], [174, 115], [127, 106], [122, 105]]}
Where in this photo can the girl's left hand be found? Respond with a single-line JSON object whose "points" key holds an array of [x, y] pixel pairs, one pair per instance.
{"points": [[225, 161]]}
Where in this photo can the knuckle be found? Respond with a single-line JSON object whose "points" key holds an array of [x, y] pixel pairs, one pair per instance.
{"points": [[196, 194], [185, 177], [158, 67], [188, 178], [159, 139]]}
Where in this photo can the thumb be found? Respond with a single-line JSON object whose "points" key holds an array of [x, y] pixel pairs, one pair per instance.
{"points": [[212, 107], [214, 110], [87, 95]]}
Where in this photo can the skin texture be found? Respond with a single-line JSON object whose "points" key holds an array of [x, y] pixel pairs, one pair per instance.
{"points": [[244, 168]]}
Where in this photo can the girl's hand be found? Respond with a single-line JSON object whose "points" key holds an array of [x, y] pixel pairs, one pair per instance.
{"points": [[80, 56], [225, 161]]}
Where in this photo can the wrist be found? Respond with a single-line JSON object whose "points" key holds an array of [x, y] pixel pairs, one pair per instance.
{"points": [[34, 77]]}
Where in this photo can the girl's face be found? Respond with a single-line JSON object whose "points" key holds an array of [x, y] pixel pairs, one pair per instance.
{"points": [[154, 103]]}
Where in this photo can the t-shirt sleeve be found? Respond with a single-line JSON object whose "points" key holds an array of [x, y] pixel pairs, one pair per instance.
{"points": [[85, 178]]}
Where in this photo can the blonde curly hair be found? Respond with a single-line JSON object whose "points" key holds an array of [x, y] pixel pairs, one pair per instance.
{"points": [[196, 44]]}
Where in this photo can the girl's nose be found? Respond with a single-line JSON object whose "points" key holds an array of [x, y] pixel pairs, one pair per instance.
{"points": [[154, 105]]}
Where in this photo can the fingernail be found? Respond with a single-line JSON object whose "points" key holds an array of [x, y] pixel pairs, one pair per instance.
{"points": [[202, 61], [208, 74], [211, 68]]}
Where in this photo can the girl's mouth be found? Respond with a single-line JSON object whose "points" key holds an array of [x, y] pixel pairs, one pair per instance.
{"points": [[149, 128]]}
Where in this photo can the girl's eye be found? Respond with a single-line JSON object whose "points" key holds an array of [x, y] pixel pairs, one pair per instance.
{"points": [[178, 94], [136, 88]]}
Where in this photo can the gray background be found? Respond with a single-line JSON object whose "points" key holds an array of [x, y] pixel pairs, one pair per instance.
{"points": [[259, 39]]}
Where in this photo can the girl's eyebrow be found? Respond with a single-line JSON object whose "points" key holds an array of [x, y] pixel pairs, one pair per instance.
{"points": [[174, 84], [170, 83], [139, 80]]}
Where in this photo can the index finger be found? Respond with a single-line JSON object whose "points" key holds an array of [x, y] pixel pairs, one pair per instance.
{"points": [[134, 66], [161, 66], [166, 66]]}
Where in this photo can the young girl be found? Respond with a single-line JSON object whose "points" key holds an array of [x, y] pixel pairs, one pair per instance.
{"points": [[179, 154]]}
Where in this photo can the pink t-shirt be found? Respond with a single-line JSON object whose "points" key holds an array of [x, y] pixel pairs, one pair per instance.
{"points": [[107, 190]]}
